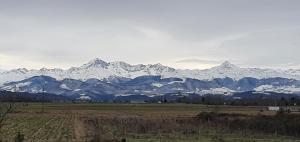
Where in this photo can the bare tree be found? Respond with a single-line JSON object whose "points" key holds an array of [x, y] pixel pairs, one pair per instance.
{"points": [[5, 109]]}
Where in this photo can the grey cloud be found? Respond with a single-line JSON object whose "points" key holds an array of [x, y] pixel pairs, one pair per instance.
{"points": [[70, 32], [266, 48], [203, 61]]}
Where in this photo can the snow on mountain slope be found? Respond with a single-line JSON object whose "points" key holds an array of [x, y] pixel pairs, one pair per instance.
{"points": [[278, 89], [152, 86], [102, 70], [94, 69], [223, 91], [229, 70], [295, 72], [64, 86], [16, 87]]}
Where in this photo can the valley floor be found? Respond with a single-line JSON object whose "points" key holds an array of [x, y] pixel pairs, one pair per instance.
{"points": [[131, 123]]}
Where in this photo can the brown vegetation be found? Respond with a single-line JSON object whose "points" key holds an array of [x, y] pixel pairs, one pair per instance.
{"points": [[120, 123]]}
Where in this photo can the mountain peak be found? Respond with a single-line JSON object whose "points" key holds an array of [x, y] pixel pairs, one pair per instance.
{"points": [[95, 63], [228, 65], [161, 68], [20, 70], [97, 60], [121, 63]]}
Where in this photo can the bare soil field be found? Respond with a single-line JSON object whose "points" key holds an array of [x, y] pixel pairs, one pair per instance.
{"points": [[135, 123]]}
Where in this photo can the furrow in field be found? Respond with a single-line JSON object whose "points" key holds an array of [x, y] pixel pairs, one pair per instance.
{"points": [[37, 133]]}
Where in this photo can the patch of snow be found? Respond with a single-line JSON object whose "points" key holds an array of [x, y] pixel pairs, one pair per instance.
{"points": [[172, 82], [280, 89], [152, 95], [16, 87], [124, 95], [263, 88], [178, 89], [84, 98], [158, 85], [64, 86], [23, 84], [221, 91]]}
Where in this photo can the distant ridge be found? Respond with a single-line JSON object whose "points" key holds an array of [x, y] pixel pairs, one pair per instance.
{"points": [[101, 70], [151, 87]]}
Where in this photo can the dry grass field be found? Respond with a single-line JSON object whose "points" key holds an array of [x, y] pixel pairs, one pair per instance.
{"points": [[128, 122]]}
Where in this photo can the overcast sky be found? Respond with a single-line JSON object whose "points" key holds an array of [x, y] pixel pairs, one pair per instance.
{"points": [[178, 33]]}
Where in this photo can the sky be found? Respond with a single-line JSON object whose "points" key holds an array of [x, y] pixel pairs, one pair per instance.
{"points": [[186, 34]]}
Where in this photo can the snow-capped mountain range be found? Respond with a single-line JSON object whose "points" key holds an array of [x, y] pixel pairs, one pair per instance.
{"points": [[102, 80], [102, 70]]}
